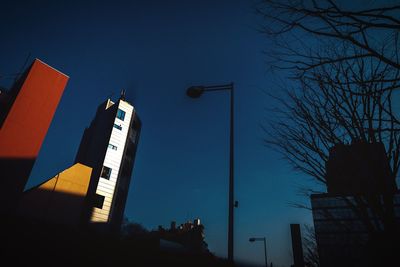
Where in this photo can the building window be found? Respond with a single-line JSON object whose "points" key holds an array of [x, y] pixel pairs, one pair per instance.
{"points": [[112, 146], [121, 114], [98, 201], [119, 127], [106, 172]]}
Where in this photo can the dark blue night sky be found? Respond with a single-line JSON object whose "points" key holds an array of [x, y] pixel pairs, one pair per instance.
{"points": [[155, 50]]}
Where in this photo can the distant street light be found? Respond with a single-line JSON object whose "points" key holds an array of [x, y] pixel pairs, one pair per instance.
{"points": [[196, 92], [253, 239]]}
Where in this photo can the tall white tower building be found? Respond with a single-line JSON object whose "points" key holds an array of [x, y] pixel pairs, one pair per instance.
{"points": [[109, 146]]}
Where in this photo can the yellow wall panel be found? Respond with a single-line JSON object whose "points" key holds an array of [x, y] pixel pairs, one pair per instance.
{"points": [[59, 199]]}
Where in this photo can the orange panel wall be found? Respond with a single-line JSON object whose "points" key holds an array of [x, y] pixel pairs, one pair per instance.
{"points": [[29, 118], [26, 124]]}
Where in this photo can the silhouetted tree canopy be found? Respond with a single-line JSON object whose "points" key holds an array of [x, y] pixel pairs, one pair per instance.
{"points": [[129, 229]]}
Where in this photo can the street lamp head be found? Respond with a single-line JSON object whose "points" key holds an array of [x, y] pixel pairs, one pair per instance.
{"points": [[195, 91], [252, 239]]}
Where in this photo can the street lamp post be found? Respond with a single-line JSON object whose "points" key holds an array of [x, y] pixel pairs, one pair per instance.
{"points": [[265, 247], [196, 92]]}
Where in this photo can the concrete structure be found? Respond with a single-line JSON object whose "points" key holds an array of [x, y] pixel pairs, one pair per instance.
{"points": [[58, 200], [361, 208], [342, 233], [359, 168], [109, 147], [26, 112], [297, 246]]}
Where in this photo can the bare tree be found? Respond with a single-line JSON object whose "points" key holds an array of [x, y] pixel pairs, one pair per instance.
{"points": [[311, 257], [344, 102], [346, 71], [373, 31]]}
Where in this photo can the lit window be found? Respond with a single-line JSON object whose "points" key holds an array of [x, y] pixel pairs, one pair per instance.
{"points": [[112, 146], [105, 172], [119, 127], [121, 114]]}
